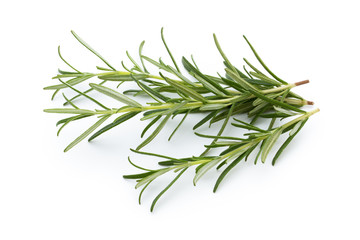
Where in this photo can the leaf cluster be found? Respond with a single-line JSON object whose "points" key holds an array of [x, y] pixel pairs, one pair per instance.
{"points": [[172, 92]]}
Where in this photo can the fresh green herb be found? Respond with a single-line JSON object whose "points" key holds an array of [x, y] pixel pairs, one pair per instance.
{"points": [[172, 93]]}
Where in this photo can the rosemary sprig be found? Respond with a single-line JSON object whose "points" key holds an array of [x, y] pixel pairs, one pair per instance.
{"points": [[172, 92], [237, 149]]}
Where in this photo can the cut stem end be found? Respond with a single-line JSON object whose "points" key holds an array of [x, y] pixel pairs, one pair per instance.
{"points": [[302, 82], [310, 102]]}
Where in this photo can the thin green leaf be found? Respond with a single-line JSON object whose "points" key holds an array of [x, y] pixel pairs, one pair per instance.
{"points": [[213, 106], [69, 102], [222, 128], [178, 126], [205, 119], [226, 171], [200, 75], [79, 95], [80, 116], [66, 121], [153, 154], [69, 111], [92, 50], [179, 75], [72, 82], [104, 69], [150, 124], [142, 191], [239, 73], [210, 87], [223, 55], [265, 78], [141, 57], [85, 95], [115, 95], [185, 90], [219, 137], [152, 93], [192, 59], [123, 76], [138, 167], [115, 123], [269, 143], [275, 102], [87, 132], [69, 75], [244, 84], [137, 66], [296, 128], [262, 63], [233, 84], [247, 127], [250, 126], [153, 62], [151, 177], [168, 50], [170, 110], [287, 141], [155, 133], [66, 61], [138, 176], [165, 189], [285, 111], [204, 169], [274, 115], [247, 72], [253, 67]]}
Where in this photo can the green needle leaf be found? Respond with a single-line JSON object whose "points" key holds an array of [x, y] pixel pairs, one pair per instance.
{"points": [[185, 90], [72, 82], [155, 133], [275, 102], [150, 124], [87, 132], [223, 54], [287, 141], [153, 154], [205, 119], [200, 76], [213, 106], [178, 126], [85, 95], [168, 50], [204, 169], [262, 63], [269, 143], [165, 189], [153, 62], [152, 93], [179, 75], [226, 171], [136, 66], [115, 95], [91, 49], [141, 56], [116, 122], [66, 61], [69, 111]]}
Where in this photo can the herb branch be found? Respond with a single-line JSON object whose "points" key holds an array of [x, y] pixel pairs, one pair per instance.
{"points": [[172, 92]]}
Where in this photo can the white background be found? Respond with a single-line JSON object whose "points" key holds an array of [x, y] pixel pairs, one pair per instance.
{"points": [[312, 193]]}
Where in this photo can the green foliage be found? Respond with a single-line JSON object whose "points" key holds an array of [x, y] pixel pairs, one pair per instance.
{"points": [[171, 93]]}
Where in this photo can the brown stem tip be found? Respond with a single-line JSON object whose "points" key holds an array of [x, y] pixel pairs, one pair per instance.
{"points": [[310, 103], [301, 82]]}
